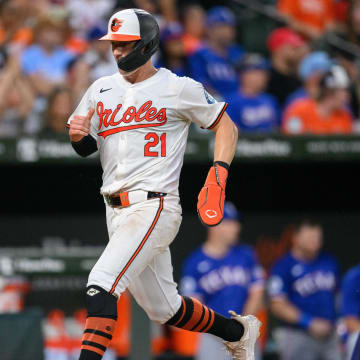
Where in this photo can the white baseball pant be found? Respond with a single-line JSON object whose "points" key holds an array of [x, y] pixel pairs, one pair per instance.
{"points": [[137, 256]]}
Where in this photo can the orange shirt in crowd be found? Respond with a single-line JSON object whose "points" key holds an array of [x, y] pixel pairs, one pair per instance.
{"points": [[23, 36], [302, 117], [315, 13]]}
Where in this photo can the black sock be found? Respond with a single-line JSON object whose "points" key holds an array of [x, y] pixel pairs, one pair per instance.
{"points": [[89, 355], [197, 317]]}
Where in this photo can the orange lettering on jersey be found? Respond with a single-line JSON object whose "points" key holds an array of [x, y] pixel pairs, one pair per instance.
{"points": [[100, 111], [112, 122], [143, 109], [129, 114], [146, 112]]}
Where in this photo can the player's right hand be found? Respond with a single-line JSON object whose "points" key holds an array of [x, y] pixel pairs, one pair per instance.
{"points": [[320, 328], [210, 205], [80, 126]]}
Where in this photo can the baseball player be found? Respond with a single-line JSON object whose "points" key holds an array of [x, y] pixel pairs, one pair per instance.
{"points": [[350, 308], [223, 275], [138, 119], [302, 290]]}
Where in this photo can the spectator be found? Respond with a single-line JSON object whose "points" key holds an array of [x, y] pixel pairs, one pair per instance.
{"points": [[250, 108], [14, 29], [46, 61], [351, 307], [16, 97], [213, 65], [78, 78], [223, 275], [85, 14], [172, 50], [59, 108], [194, 28], [308, 18], [327, 113], [99, 56], [302, 291], [287, 50], [346, 56], [311, 68]]}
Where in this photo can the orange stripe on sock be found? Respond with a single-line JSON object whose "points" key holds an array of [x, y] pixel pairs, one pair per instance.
{"points": [[96, 338], [93, 349], [139, 247], [197, 312], [103, 324], [183, 312], [203, 321], [211, 313]]}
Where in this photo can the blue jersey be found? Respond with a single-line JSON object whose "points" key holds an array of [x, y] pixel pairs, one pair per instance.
{"points": [[253, 113], [222, 284], [215, 72], [311, 286], [350, 291]]}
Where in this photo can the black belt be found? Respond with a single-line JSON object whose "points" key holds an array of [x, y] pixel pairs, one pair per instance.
{"points": [[116, 200]]}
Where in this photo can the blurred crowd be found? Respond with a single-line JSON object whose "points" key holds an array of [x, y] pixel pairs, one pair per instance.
{"points": [[308, 310], [302, 82]]}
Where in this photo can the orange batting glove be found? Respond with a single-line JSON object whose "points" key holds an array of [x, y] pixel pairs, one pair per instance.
{"points": [[211, 198]]}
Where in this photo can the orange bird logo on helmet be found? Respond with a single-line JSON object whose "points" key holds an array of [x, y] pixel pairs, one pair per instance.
{"points": [[116, 24]]}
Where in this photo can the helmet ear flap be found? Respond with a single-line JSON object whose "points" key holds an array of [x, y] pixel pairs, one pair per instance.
{"points": [[150, 46]]}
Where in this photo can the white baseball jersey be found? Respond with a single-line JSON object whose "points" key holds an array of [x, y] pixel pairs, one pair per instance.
{"points": [[141, 129]]}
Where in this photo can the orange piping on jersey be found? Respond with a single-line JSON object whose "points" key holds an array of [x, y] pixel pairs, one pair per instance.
{"points": [[218, 118], [139, 247]]}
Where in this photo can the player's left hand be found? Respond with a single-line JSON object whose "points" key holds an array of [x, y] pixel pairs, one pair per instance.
{"points": [[211, 198], [80, 126]]}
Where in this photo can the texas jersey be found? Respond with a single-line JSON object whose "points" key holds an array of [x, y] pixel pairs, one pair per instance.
{"points": [[350, 291], [310, 286], [223, 283], [141, 129]]}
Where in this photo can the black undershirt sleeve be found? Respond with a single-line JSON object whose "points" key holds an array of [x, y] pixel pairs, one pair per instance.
{"points": [[86, 146]]}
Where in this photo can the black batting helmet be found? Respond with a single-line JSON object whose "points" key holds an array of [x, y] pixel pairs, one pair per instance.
{"points": [[130, 25]]}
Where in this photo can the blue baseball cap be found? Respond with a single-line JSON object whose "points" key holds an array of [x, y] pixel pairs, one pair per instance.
{"points": [[318, 61], [231, 213], [252, 62], [96, 32], [220, 15], [172, 31]]}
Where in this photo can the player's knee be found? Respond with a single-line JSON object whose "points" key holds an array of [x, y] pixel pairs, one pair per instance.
{"points": [[100, 303]]}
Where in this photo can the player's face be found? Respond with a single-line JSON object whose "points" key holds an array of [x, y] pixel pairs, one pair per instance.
{"points": [[309, 240], [228, 231], [340, 98], [121, 49], [255, 79], [222, 34]]}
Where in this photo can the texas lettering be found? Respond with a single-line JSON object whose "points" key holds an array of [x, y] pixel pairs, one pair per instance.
{"points": [[132, 118]]}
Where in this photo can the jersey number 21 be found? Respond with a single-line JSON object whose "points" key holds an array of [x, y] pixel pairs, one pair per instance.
{"points": [[153, 142]]}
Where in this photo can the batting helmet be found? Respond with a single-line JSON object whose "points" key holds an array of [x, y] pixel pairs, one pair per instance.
{"points": [[130, 25]]}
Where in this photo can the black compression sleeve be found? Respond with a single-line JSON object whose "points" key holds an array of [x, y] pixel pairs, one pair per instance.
{"points": [[86, 146]]}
